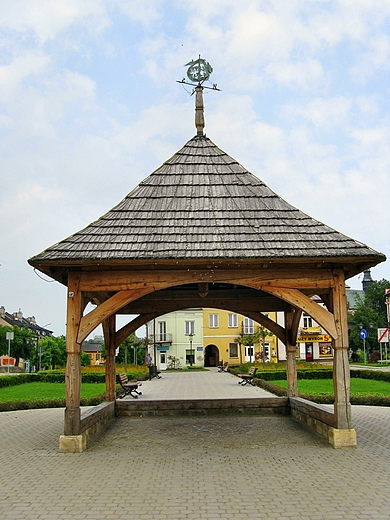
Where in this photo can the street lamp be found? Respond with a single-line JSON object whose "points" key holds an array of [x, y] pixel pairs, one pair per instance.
{"points": [[40, 351], [191, 336]]}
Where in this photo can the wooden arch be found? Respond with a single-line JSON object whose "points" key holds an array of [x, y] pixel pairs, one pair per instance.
{"points": [[252, 289]]}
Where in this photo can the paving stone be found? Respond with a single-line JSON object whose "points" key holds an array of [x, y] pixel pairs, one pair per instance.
{"points": [[229, 467]]}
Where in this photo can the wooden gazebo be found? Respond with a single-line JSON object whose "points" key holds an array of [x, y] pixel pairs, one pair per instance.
{"points": [[201, 231]]}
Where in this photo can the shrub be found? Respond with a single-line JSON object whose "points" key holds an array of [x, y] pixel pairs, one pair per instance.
{"points": [[374, 357]]}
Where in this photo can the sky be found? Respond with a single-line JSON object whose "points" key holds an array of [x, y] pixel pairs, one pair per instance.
{"points": [[90, 105]]}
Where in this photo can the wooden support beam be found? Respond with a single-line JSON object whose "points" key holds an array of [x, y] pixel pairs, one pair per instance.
{"points": [[109, 342], [291, 318], [341, 370], [73, 349], [301, 301], [256, 277], [293, 332]]}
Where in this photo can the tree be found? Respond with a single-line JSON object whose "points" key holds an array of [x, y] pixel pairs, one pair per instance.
{"points": [[126, 351], [50, 352], [128, 348], [3, 340], [21, 346], [370, 314], [85, 359], [264, 333]]}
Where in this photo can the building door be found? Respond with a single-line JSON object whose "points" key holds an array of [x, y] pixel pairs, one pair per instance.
{"points": [[309, 351], [163, 360], [211, 356], [249, 353]]}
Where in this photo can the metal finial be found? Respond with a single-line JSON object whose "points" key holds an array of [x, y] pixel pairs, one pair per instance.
{"points": [[198, 72]]}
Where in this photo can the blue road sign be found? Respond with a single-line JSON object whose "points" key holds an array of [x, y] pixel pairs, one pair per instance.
{"points": [[363, 333]]}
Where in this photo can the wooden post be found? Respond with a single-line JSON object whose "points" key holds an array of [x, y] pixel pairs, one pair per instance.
{"points": [[199, 110], [73, 349], [341, 374], [109, 341], [292, 378]]}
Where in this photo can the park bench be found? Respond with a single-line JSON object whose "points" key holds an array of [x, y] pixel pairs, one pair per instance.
{"points": [[129, 387], [247, 378], [222, 367]]}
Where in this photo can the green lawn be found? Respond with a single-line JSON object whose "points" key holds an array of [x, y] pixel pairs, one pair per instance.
{"points": [[34, 391], [359, 387]]}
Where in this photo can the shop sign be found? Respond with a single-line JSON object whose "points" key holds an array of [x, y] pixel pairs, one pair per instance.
{"points": [[314, 338]]}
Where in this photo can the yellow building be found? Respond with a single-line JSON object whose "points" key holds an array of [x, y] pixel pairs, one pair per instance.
{"points": [[234, 338]]}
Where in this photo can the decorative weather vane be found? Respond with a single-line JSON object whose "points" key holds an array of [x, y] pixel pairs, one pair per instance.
{"points": [[198, 72]]}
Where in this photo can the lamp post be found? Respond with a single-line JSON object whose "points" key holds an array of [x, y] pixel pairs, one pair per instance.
{"points": [[9, 337], [191, 336], [40, 351]]}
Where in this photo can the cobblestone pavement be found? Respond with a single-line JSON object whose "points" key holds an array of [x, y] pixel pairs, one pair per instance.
{"points": [[225, 467]]}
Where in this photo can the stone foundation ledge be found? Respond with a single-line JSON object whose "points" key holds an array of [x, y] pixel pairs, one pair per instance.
{"points": [[93, 422]]}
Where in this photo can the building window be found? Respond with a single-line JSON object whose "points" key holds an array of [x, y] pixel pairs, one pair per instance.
{"points": [[213, 321], [232, 320], [233, 349], [190, 327], [307, 321], [249, 327], [162, 331]]}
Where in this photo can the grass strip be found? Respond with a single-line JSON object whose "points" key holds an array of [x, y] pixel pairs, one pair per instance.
{"points": [[47, 391], [359, 387]]}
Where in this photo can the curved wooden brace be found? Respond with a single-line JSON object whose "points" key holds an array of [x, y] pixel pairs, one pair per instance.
{"points": [[298, 299], [269, 324], [90, 321], [133, 325]]}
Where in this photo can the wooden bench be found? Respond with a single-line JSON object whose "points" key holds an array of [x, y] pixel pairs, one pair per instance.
{"points": [[129, 387], [248, 378], [223, 367]]}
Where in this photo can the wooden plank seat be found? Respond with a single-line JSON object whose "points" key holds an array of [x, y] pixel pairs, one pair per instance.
{"points": [[129, 387], [248, 378], [222, 367]]}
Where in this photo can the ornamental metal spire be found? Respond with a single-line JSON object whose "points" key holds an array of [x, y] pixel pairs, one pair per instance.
{"points": [[198, 72]]}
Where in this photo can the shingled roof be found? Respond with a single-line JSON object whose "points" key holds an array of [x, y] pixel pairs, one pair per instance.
{"points": [[202, 204]]}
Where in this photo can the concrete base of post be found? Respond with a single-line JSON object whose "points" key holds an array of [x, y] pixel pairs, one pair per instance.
{"points": [[72, 443], [342, 438]]}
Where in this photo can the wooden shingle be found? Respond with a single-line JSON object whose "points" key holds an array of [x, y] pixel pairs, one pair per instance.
{"points": [[202, 204]]}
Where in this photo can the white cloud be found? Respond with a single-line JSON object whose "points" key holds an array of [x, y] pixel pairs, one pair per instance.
{"points": [[376, 56], [148, 13], [30, 63], [46, 19], [324, 113], [303, 74]]}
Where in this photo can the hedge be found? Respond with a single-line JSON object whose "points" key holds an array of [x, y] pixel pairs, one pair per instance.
{"points": [[277, 375], [59, 377], [48, 403]]}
